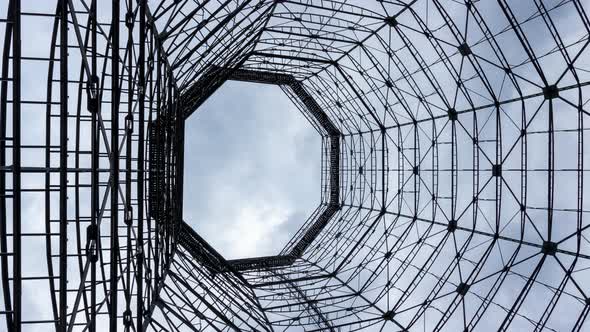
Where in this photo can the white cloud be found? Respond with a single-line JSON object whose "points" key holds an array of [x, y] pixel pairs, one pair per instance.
{"points": [[252, 170]]}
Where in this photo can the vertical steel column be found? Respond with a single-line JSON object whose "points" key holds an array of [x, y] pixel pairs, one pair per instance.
{"points": [[129, 20], [150, 268], [94, 109], [140, 160], [4, 265], [114, 165], [63, 164], [180, 164], [159, 123], [169, 160], [16, 165]]}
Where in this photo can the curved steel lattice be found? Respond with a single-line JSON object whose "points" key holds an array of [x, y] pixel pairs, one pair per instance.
{"points": [[454, 191]]}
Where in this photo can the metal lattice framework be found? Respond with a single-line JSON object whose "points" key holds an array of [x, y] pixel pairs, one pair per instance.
{"points": [[454, 172]]}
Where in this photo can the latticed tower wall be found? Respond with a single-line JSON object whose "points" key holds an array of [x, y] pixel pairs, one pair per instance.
{"points": [[453, 188]]}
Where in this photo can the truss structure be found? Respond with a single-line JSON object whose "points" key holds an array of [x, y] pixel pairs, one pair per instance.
{"points": [[454, 165]]}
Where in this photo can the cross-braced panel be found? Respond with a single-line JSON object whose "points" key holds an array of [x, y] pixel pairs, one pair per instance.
{"points": [[454, 191]]}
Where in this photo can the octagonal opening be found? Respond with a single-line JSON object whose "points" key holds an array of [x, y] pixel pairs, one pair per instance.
{"points": [[252, 169]]}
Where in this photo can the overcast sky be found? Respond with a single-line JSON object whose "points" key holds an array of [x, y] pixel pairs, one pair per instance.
{"points": [[252, 169]]}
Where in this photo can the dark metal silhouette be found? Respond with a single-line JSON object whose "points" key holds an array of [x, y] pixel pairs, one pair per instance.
{"points": [[454, 177]]}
